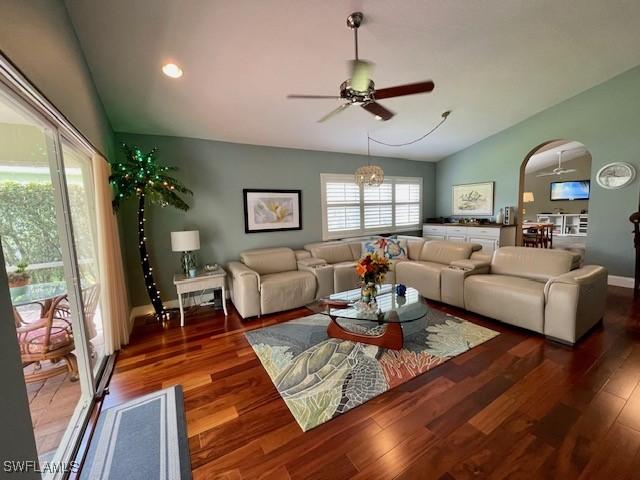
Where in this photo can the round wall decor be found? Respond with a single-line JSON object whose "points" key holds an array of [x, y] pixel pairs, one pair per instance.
{"points": [[615, 175]]}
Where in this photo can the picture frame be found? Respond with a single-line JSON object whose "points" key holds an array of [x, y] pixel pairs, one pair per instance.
{"points": [[616, 175], [473, 199], [272, 210]]}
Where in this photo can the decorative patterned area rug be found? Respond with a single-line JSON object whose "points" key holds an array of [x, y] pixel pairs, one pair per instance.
{"points": [[320, 378], [145, 438]]}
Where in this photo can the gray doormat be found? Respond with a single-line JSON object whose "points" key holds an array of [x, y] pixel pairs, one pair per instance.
{"points": [[144, 439]]}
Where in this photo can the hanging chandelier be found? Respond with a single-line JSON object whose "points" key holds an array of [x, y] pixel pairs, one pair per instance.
{"points": [[369, 175]]}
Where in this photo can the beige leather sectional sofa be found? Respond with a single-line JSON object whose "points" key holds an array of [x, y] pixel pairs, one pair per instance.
{"points": [[542, 290]]}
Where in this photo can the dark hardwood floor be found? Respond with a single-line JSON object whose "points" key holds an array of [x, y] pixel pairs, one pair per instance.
{"points": [[517, 406]]}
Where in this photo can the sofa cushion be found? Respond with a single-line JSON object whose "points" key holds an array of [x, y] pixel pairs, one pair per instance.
{"points": [[331, 252], [423, 276], [533, 263], [414, 248], [356, 250], [345, 276], [446, 251], [35, 341], [513, 300], [270, 260], [286, 290]]}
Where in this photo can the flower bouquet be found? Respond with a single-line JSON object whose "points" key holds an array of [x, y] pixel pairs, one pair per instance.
{"points": [[371, 269]]}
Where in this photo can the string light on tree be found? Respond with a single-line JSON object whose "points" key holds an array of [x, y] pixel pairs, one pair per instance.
{"points": [[141, 175]]}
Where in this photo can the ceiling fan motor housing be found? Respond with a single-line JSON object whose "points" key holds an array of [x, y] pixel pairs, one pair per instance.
{"points": [[354, 96]]}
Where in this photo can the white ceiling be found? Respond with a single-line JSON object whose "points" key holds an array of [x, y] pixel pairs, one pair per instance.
{"points": [[547, 158], [494, 63]]}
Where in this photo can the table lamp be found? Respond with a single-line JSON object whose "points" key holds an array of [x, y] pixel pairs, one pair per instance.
{"points": [[527, 197], [186, 242]]}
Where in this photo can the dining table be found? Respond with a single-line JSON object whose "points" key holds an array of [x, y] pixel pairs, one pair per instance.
{"points": [[546, 230], [43, 294]]}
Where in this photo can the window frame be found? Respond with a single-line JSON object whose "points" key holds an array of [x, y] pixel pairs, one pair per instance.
{"points": [[361, 231]]}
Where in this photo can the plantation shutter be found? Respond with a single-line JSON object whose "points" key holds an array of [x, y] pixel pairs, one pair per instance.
{"points": [[349, 210], [378, 207], [407, 202], [342, 206]]}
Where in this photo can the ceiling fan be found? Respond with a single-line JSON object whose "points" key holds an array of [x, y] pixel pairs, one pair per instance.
{"points": [[360, 90], [558, 170]]}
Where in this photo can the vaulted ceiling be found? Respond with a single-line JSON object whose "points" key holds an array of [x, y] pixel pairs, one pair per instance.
{"points": [[494, 63]]}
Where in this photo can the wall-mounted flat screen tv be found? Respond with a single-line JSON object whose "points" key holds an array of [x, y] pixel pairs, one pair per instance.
{"points": [[573, 190]]}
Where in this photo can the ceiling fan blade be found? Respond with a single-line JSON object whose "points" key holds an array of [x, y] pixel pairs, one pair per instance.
{"points": [[546, 174], [334, 112], [378, 110], [314, 96], [360, 75], [401, 90]]}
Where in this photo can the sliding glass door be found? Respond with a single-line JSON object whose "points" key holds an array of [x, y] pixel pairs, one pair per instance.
{"points": [[48, 237]]}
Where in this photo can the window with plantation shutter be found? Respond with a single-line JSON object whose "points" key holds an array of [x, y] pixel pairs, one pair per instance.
{"points": [[378, 206], [342, 206], [350, 210], [408, 200]]}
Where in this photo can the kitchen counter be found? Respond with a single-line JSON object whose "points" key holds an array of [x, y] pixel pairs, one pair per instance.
{"points": [[480, 225], [490, 236]]}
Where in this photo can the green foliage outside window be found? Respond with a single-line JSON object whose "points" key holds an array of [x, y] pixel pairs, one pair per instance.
{"points": [[29, 230]]}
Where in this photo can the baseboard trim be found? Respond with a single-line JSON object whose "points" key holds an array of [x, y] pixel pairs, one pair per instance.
{"points": [[143, 310], [618, 281]]}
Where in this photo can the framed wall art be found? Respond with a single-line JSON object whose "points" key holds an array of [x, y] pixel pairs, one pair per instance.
{"points": [[272, 210], [473, 199]]}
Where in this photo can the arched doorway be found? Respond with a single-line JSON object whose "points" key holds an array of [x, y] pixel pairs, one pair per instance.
{"points": [[553, 200]]}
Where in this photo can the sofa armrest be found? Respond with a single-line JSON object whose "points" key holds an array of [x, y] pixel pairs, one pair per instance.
{"points": [[311, 262], [471, 265], [323, 273], [580, 276], [574, 302], [244, 285], [452, 279]]}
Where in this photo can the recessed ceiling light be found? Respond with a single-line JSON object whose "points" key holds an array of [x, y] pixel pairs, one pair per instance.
{"points": [[172, 70]]}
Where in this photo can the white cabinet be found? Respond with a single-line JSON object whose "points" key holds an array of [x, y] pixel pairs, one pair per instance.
{"points": [[434, 232], [489, 237], [569, 224], [488, 244]]}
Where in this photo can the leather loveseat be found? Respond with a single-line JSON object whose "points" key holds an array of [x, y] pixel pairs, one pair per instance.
{"points": [[542, 290]]}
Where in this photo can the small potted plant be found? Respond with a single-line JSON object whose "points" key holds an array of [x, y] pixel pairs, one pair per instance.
{"points": [[20, 278]]}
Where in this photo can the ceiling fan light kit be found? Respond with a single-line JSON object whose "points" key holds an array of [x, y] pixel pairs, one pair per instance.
{"points": [[360, 89]]}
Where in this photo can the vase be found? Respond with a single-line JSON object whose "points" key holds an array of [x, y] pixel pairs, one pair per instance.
{"points": [[368, 292]]}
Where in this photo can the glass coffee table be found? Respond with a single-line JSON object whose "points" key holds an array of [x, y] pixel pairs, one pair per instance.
{"points": [[393, 311]]}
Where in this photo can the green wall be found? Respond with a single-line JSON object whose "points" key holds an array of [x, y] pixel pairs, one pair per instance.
{"points": [[217, 172], [606, 119]]}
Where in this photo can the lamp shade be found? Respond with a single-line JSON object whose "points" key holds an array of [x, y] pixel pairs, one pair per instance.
{"points": [[527, 197], [185, 241]]}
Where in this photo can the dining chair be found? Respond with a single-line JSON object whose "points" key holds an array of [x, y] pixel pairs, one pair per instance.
{"points": [[49, 338]]}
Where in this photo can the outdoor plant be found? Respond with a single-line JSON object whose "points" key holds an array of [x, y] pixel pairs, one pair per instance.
{"points": [[20, 277], [142, 176]]}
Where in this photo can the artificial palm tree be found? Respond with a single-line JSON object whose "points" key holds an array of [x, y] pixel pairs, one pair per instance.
{"points": [[141, 174]]}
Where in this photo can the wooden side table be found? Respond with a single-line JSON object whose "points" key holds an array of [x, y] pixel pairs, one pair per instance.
{"points": [[202, 281]]}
